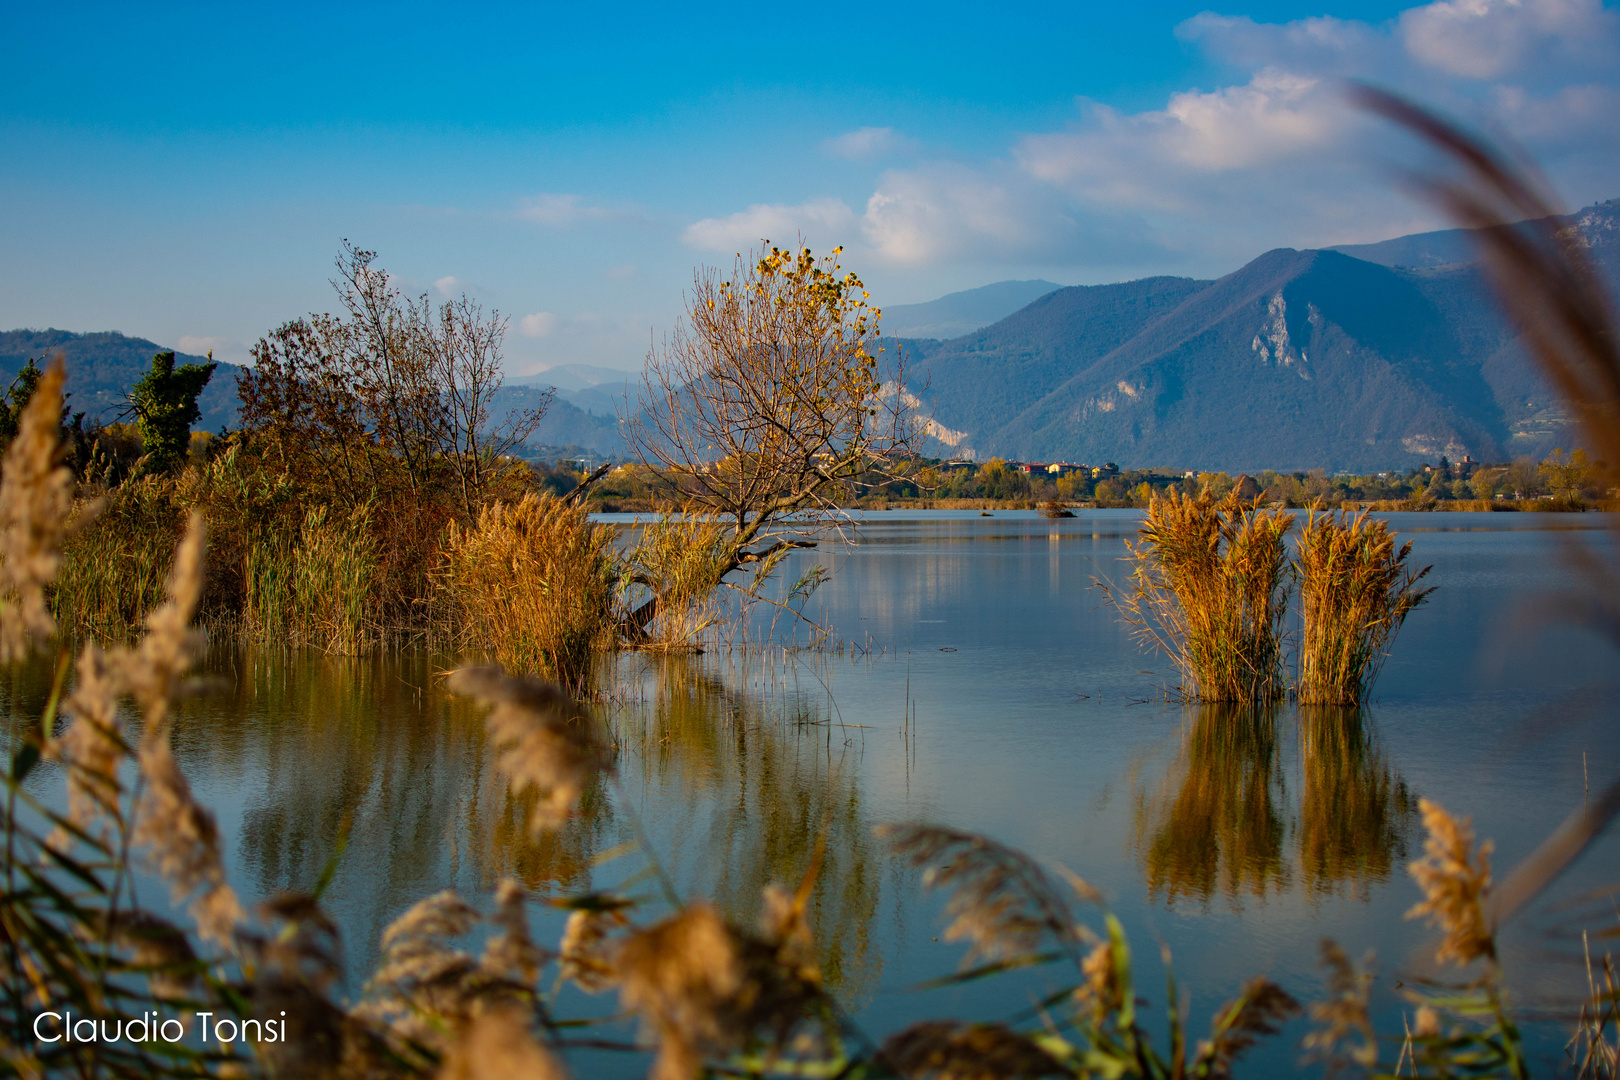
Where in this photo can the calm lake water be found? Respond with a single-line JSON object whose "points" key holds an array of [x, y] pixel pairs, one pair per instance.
{"points": [[983, 685]]}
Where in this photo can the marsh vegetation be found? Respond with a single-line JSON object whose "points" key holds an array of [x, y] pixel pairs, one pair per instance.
{"points": [[391, 518]]}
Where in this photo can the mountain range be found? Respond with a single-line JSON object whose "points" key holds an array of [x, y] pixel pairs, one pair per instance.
{"points": [[1363, 357], [1372, 357]]}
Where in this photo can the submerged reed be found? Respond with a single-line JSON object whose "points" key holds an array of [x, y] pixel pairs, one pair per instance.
{"points": [[1356, 590], [535, 583], [1207, 590], [680, 560]]}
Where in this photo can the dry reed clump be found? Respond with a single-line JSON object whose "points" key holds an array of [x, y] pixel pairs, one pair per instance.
{"points": [[546, 741], [1355, 592], [588, 949], [952, 1050], [535, 584], [498, 1043], [1454, 885], [36, 503], [1207, 589], [706, 990], [681, 559]]}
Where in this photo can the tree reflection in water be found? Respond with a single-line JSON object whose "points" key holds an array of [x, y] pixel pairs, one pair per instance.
{"points": [[1222, 821], [732, 788]]}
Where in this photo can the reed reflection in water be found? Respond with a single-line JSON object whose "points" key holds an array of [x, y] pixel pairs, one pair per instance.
{"points": [[733, 788], [745, 786], [1223, 822]]}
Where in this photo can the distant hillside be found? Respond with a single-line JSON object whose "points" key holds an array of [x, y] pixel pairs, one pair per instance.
{"points": [[1599, 224], [599, 391], [564, 424], [102, 366], [1300, 359], [961, 313]]}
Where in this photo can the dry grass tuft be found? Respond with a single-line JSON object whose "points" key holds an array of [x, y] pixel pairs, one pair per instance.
{"points": [[952, 1050], [706, 990], [1454, 885], [422, 984], [547, 742], [1001, 901], [183, 841], [93, 747], [535, 583], [317, 585], [1355, 592], [588, 949], [497, 1044], [159, 949], [36, 503], [511, 951], [1207, 590]]}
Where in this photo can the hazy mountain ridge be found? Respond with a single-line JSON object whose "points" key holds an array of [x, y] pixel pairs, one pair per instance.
{"points": [[1364, 357], [1300, 359], [597, 390], [958, 313]]}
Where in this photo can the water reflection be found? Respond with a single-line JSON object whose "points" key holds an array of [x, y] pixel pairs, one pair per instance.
{"points": [[732, 789], [1222, 821], [753, 783], [1355, 813]]}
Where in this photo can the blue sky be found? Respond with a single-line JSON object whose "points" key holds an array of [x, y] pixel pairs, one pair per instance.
{"points": [[187, 174]]}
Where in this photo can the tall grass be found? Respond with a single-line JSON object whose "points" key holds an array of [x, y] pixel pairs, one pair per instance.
{"points": [[313, 586], [535, 584], [1355, 590], [113, 572], [1207, 589]]}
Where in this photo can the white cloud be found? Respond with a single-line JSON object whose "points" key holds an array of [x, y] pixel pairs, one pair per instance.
{"points": [[866, 142], [948, 211], [538, 325], [449, 285], [197, 345], [1485, 39], [561, 211], [822, 222], [1275, 155]]}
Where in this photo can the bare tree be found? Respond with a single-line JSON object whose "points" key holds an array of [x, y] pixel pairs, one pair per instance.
{"points": [[771, 402], [390, 386]]}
